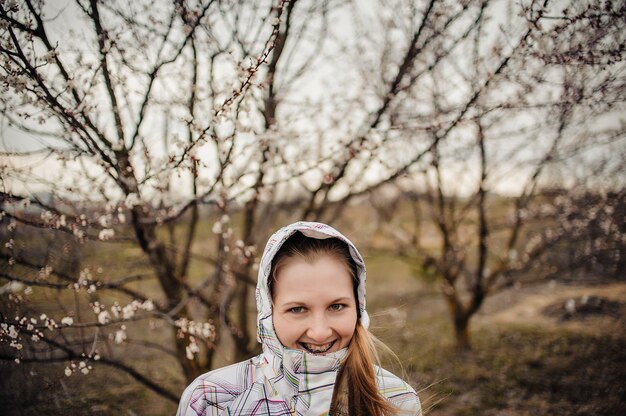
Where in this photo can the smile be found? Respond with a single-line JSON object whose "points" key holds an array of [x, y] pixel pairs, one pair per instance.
{"points": [[317, 349]]}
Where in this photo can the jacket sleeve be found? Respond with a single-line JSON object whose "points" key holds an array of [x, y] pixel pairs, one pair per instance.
{"points": [[202, 398], [211, 393], [408, 404], [399, 393]]}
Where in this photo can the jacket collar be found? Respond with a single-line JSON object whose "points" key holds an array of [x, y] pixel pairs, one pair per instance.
{"points": [[305, 380]]}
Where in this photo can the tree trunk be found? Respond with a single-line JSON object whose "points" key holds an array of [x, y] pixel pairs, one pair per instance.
{"points": [[460, 317], [165, 271], [242, 341], [461, 333]]}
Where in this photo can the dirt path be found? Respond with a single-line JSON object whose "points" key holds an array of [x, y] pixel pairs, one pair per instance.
{"points": [[525, 306]]}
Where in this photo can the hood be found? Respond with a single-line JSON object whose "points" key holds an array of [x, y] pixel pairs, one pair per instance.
{"points": [[265, 328]]}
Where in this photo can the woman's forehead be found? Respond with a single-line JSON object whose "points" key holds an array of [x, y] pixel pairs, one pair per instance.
{"points": [[326, 276]]}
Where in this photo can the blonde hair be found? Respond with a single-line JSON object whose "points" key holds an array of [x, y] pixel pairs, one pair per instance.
{"points": [[356, 384], [358, 372]]}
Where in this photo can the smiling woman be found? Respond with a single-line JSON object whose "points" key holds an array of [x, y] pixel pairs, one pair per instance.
{"points": [[318, 357]]}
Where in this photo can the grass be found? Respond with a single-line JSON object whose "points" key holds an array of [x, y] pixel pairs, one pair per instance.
{"points": [[512, 370], [35, 390], [537, 372]]}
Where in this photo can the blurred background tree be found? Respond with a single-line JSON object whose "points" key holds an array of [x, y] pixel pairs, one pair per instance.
{"points": [[530, 137], [152, 147]]}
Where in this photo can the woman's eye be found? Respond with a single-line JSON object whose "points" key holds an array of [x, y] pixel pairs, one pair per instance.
{"points": [[337, 306], [296, 309]]}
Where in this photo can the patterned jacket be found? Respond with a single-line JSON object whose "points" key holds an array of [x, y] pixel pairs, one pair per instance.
{"points": [[283, 381]]}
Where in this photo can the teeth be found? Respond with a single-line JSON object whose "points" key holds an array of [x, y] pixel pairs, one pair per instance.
{"points": [[316, 349]]}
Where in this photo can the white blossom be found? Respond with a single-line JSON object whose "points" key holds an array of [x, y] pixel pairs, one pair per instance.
{"points": [[199, 329], [192, 349], [50, 57], [132, 200], [120, 335], [104, 317], [128, 311], [84, 276], [96, 307], [104, 221], [18, 82], [45, 272], [13, 286], [50, 324], [47, 216], [13, 332], [115, 310], [148, 305]]}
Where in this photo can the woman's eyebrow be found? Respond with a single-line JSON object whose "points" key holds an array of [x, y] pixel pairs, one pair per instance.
{"points": [[342, 299], [292, 303], [301, 303]]}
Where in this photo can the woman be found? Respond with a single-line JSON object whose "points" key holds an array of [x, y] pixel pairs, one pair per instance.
{"points": [[318, 357]]}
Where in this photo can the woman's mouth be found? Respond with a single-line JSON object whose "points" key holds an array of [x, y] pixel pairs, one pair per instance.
{"points": [[317, 348]]}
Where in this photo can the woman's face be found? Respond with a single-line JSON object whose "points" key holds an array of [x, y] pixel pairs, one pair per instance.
{"points": [[314, 306]]}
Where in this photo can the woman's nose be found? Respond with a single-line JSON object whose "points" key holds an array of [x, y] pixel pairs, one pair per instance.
{"points": [[319, 330]]}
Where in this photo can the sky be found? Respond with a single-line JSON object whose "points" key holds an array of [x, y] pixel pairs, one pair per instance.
{"points": [[331, 79]]}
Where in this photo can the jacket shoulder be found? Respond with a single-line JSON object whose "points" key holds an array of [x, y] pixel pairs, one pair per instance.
{"points": [[210, 393], [398, 392]]}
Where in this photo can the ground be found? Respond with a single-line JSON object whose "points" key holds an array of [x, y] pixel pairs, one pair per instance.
{"points": [[548, 349], [536, 351]]}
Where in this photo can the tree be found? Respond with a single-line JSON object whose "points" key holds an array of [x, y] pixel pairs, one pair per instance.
{"points": [[537, 114], [153, 111]]}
